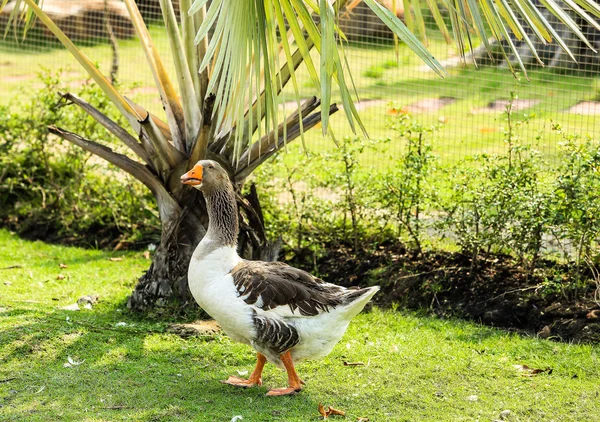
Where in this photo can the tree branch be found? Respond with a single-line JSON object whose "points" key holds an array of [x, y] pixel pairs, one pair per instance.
{"points": [[273, 147], [109, 124], [162, 126], [169, 155], [137, 170]]}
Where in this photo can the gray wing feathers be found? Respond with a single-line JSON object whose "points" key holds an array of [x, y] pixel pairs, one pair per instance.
{"points": [[268, 285]]}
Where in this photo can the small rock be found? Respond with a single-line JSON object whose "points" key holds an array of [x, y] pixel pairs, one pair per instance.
{"points": [[545, 332], [504, 414]]}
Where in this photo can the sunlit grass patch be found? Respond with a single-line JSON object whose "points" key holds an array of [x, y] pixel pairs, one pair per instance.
{"points": [[410, 367]]}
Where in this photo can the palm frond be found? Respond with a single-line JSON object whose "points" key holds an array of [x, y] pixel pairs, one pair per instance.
{"points": [[187, 89], [168, 95]]}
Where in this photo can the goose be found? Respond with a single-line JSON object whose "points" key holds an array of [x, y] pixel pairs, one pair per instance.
{"points": [[286, 314]]}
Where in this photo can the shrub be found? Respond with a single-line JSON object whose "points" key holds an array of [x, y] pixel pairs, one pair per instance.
{"points": [[406, 188], [294, 207], [576, 202], [500, 202], [52, 190]]}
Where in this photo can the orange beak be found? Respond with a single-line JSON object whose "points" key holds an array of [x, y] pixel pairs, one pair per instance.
{"points": [[193, 177]]}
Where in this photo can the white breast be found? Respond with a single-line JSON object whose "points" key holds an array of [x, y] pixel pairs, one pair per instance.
{"points": [[212, 286]]}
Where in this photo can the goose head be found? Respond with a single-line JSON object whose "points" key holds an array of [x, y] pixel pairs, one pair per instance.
{"points": [[206, 176]]}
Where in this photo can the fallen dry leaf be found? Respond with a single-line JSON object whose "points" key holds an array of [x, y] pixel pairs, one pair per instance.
{"points": [[115, 259], [362, 419], [354, 364], [333, 411], [8, 283], [322, 411], [593, 315], [60, 277], [531, 372], [61, 265], [146, 254], [330, 411]]}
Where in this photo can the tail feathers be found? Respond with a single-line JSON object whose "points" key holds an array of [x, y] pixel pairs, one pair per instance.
{"points": [[357, 299]]}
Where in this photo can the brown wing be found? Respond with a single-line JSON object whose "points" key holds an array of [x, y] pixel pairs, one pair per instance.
{"points": [[267, 285]]}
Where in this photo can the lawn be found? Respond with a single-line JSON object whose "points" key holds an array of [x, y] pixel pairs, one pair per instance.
{"points": [[416, 368]]}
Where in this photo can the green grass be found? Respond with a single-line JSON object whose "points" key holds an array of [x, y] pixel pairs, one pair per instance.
{"points": [[417, 368]]}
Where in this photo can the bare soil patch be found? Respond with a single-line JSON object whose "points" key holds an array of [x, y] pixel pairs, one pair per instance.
{"points": [[499, 292], [17, 78], [429, 104], [201, 328], [365, 103], [497, 106], [586, 108]]}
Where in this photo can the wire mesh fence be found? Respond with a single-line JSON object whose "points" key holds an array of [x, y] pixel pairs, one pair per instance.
{"points": [[468, 104], [468, 107]]}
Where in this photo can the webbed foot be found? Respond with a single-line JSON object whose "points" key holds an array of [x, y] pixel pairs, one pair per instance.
{"points": [[240, 382]]}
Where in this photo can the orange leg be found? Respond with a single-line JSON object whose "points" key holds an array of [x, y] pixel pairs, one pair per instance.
{"points": [[294, 382], [255, 378]]}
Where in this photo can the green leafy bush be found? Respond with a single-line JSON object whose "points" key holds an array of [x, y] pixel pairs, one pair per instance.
{"points": [[407, 188], [498, 203], [55, 191], [576, 199]]}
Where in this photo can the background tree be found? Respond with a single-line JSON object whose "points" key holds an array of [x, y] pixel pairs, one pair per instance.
{"points": [[227, 109]]}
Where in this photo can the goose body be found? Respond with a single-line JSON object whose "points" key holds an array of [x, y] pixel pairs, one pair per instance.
{"points": [[286, 314]]}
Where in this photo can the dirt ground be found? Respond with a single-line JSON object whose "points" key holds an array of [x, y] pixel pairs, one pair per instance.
{"points": [[499, 292]]}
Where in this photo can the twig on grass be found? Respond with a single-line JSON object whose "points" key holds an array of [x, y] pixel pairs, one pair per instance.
{"points": [[11, 267]]}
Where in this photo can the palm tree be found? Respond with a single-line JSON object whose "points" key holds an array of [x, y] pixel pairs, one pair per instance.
{"points": [[229, 85]]}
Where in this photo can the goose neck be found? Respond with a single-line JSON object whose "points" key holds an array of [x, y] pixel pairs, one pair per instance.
{"points": [[222, 217]]}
